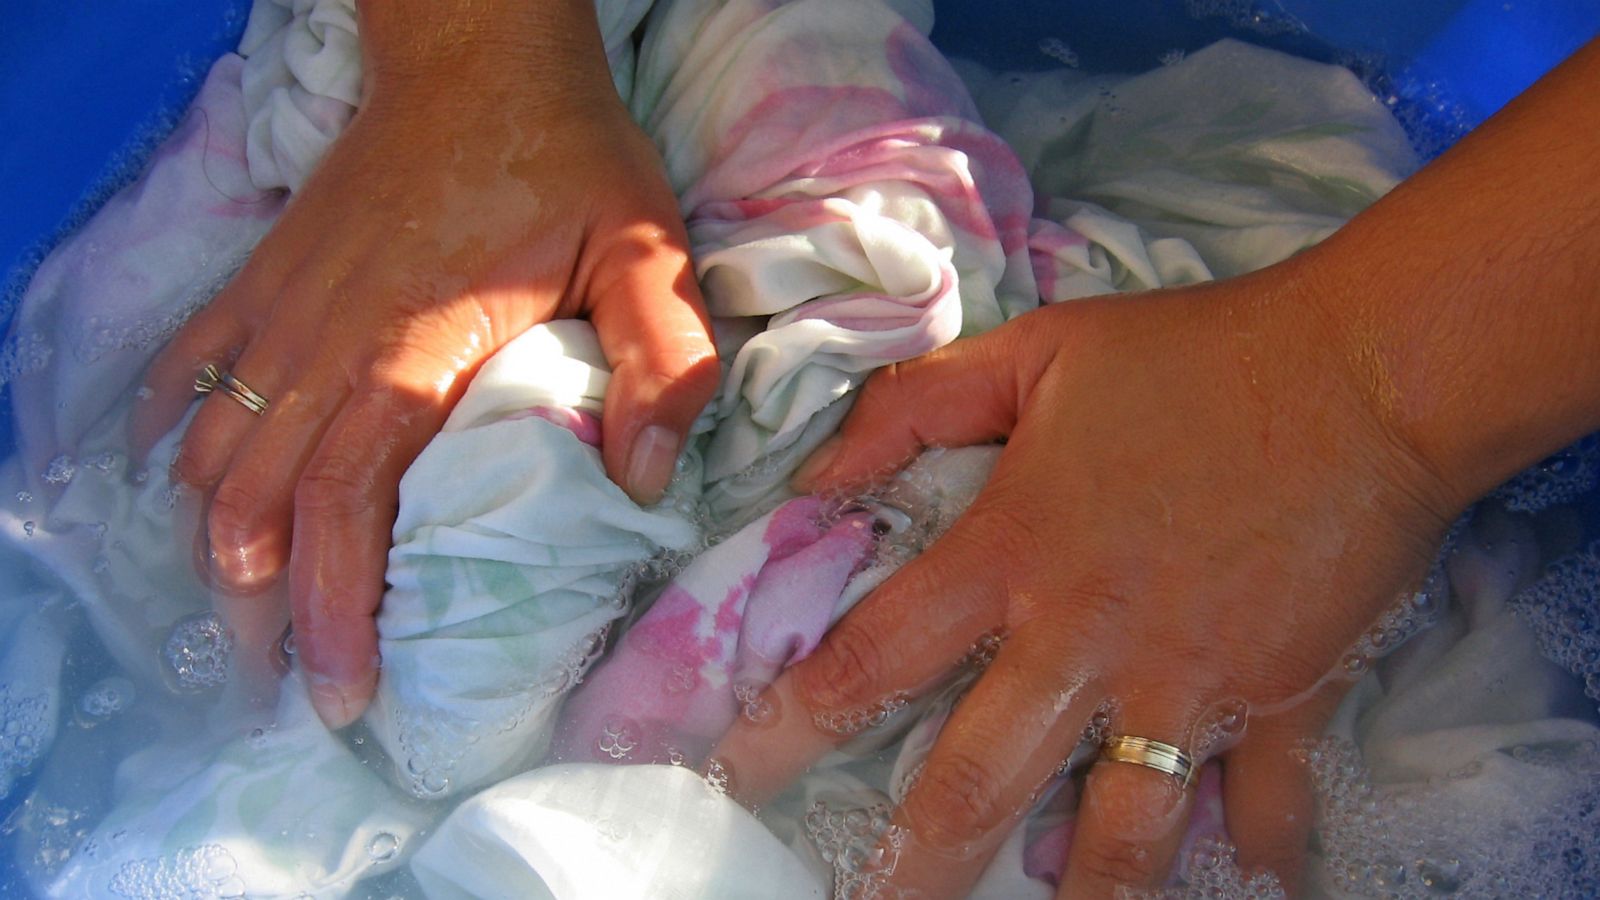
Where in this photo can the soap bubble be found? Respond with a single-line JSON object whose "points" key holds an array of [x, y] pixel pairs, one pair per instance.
{"points": [[197, 652], [206, 872], [60, 470], [106, 697], [382, 847], [860, 843], [854, 721], [24, 728]]}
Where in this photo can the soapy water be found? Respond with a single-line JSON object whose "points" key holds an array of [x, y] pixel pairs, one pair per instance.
{"points": [[860, 843], [1414, 840], [23, 733], [207, 872], [1562, 610], [198, 652], [1369, 847]]}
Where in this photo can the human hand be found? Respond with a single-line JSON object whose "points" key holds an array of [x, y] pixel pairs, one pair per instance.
{"points": [[477, 192], [1197, 513]]}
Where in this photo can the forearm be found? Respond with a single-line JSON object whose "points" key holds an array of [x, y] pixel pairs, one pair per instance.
{"points": [[1468, 300]]}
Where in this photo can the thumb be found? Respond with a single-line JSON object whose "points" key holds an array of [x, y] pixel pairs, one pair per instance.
{"points": [[653, 327], [968, 392]]}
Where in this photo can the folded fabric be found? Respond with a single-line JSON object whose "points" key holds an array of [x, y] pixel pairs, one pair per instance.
{"points": [[302, 80]]}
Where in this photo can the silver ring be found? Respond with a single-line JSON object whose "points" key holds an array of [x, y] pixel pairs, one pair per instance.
{"points": [[211, 379]]}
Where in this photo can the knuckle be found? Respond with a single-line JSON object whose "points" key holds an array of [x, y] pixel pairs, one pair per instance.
{"points": [[332, 486], [843, 673], [956, 802], [702, 376], [1009, 526], [235, 512], [883, 390], [1111, 861], [192, 464]]}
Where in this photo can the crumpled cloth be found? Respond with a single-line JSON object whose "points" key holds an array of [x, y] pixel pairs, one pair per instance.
{"points": [[718, 634], [499, 596], [835, 178], [847, 209]]}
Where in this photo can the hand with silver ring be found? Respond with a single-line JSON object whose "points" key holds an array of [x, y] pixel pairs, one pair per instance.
{"points": [[1206, 496], [491, 180]]}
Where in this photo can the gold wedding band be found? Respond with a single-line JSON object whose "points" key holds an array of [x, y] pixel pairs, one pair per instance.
{"points": [[211, 378], [1140, 751]]}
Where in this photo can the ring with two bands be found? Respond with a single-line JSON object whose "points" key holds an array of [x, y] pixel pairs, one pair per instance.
{"points": [[211, 379]]}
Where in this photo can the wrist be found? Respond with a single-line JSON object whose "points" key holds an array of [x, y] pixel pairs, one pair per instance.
{"points": [[1475, 380], [545, 53], [1320, 398]]}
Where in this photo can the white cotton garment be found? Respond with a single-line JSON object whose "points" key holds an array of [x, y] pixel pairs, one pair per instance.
{"points": [[500, 593], [1233, 159], [302, 80], [834, 178], [847, 209], [1272, 155], [281, 810], [1468, 748], [580, 831]]}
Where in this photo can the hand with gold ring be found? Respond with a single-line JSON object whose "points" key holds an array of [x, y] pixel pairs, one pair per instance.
{"points": [[1206, 497], [491, 180]]}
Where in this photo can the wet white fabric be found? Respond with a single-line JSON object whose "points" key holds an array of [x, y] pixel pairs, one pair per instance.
{"points": [[500, 596], [846, 210], [1468, 746], [1244, 169], [665, 833], [282, 809], [302, 80], [834, 177]]}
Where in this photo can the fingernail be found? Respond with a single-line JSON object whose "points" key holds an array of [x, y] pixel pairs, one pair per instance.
{"points": [[817, 463], [655, 452]]}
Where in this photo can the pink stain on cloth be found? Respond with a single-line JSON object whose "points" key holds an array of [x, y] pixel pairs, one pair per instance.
{"points": [[741, 612]]}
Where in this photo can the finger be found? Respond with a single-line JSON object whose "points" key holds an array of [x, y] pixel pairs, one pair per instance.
{"points": [[344, 510], [1267, 796], [222, 421], [168, 389], [653, 325], [215, 335], [1001, 747], [249, 522], [1131, 822], [882, 653], [966, 393]]}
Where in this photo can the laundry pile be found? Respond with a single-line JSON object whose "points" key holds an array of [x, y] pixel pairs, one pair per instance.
{"points": [[557, 661]]}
